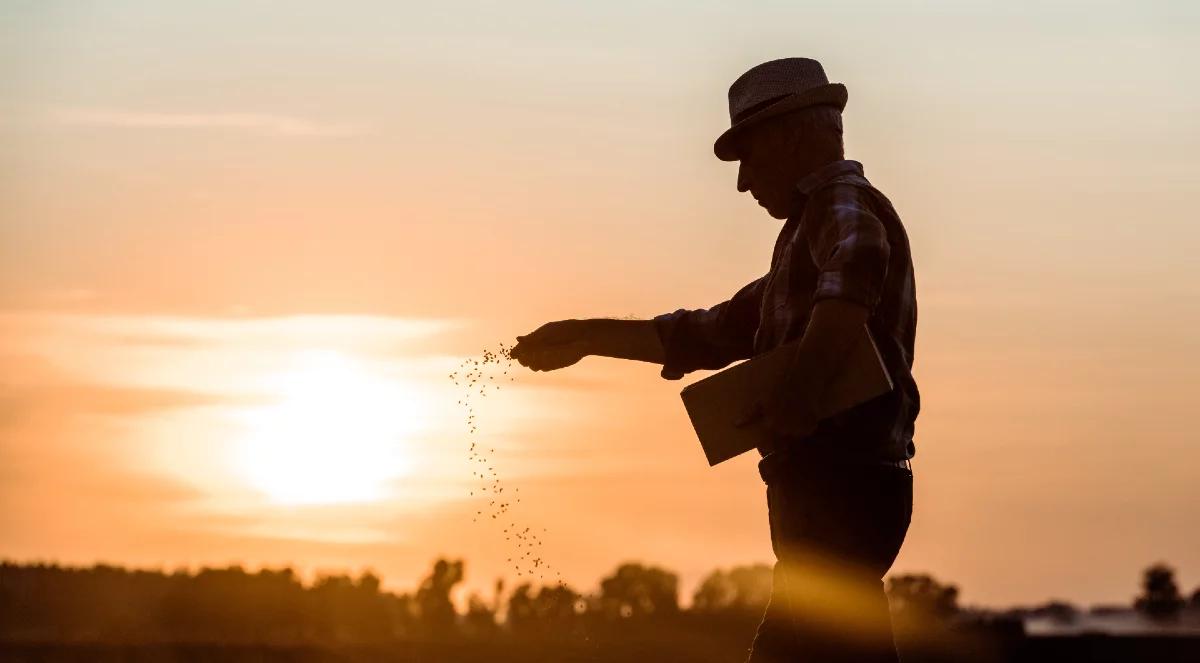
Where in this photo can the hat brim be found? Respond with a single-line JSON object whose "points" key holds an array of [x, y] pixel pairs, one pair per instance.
{"points": [[830, 94]]}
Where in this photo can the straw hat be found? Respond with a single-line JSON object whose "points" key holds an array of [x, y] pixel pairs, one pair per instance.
{"points": [[773, 88]]}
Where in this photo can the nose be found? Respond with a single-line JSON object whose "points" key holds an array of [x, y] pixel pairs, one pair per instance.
{"points": [[743, 178]]}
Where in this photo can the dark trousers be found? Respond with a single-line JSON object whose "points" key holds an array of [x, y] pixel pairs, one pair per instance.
{"points": [[836, 528]]}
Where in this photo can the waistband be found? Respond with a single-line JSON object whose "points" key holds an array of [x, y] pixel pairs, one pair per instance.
{"points": [[777, 462]]}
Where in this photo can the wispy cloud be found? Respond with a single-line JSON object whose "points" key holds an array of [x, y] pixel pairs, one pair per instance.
{"points": [[198, 355], [18, 402], [32, 384], [278, 125]]}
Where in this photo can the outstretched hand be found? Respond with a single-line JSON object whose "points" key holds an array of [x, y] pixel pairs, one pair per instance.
{"points": [[552, 346]]}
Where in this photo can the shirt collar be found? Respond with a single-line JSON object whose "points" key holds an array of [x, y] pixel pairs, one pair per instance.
{"points": [[811, 181]]}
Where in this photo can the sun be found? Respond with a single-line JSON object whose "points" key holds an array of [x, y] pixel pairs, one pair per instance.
{"points": [[338, 432]]}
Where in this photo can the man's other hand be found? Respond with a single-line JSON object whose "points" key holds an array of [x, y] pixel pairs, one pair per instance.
{"points": [[552, 346]]}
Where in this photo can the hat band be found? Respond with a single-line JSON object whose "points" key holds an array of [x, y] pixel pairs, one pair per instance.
{"points": [[747, 112]]}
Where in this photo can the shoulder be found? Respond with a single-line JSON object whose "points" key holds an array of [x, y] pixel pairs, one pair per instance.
{"points": [[850, 191], [849, 200], [841, 202]]}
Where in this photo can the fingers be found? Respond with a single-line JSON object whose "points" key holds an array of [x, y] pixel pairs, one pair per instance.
{"points": [[545, 339], [517, 349], [522, 349], [550, 334], [550, 359]]}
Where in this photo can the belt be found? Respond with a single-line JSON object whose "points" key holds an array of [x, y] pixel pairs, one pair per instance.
{"points": [[774, 462]]}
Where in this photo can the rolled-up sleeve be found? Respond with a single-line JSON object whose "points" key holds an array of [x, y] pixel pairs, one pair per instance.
{"points": [[710, 338], [849, 247]]}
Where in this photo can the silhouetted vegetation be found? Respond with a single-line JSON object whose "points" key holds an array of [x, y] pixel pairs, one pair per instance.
{"points": [[918, 600], [1160, 598], [635, 615], [742, 591]]}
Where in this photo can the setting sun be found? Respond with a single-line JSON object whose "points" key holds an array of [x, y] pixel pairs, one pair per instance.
{"points": [[337, 433]]}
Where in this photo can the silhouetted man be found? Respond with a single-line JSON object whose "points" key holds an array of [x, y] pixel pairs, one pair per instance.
{"points": [[839, 490]]}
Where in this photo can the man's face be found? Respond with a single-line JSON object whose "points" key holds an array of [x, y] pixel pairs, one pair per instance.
{"points": [[763, 170]]}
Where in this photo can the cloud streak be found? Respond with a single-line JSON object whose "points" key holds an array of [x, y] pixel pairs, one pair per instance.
{"points": [[70, 398], [259, 123]]}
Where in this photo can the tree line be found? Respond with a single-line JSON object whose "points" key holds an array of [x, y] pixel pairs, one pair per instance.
{"points": [[105, 603]]}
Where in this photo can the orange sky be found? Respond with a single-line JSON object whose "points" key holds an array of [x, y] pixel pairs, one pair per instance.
{"points": [[214, 219]]}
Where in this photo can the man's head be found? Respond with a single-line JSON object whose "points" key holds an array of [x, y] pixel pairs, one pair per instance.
{"points": [[776, 152]]}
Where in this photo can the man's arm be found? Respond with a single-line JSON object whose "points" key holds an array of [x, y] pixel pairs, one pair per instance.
{"points": [[559, 344], [682, 341], [828, 340], [626, 339]]}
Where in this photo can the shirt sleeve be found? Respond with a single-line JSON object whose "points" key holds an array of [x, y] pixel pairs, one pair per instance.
{"points": [[849, 247], [710, 338]]}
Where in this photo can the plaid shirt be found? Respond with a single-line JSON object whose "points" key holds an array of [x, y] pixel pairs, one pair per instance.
{"points": [[845, 241]]}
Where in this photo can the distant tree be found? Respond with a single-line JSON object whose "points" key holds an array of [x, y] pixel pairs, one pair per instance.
{"points": [[558, 604], [368, 610], [639, 591], [225, 605], [1160, 598], [404, 614], [552, 609], [480, 619], [744, 589], [919, 599], [1194, 602], [351, 610], [207, 606], [715, 593], [521, 615], [433, 598]]}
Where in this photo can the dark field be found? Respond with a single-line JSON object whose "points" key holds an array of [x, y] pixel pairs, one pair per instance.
{"points": [[701, 649]]}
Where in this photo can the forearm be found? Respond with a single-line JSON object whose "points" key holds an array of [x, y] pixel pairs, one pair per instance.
{"points": [[830, 336], [624, 339]]}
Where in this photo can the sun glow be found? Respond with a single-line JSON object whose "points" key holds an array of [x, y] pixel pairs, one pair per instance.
{"points": [[337, 433]]}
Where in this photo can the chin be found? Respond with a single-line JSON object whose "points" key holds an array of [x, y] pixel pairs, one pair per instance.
{"points": [[777, 213]]}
